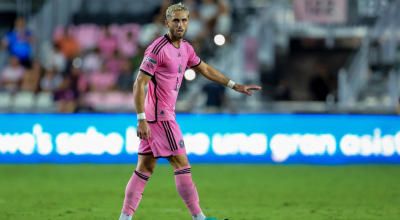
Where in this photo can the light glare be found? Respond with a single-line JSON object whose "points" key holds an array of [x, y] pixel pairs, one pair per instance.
{"points": [[219, 39], [190, 74]]}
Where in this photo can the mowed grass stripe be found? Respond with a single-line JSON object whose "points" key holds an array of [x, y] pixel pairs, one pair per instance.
{"points": [[226, 191]]}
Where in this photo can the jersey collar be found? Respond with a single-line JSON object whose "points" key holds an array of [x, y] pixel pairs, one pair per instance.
{"points": [[169, 40]]}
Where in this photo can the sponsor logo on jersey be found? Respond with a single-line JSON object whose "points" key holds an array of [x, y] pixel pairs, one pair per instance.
{"points": [[181, 143], [180, 68], [151, 60], [151, 66]]}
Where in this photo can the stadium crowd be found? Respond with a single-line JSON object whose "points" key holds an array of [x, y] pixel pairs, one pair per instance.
{"points": [[91, 68]]}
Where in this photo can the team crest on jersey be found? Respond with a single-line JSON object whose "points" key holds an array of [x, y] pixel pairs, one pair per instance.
{"points": [[181, 143], [180, 68], [148, 59]]}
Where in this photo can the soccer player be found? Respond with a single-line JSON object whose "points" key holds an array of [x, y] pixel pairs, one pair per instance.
{"points": [[160, 136]]}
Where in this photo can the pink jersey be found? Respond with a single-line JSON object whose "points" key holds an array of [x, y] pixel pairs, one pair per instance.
{"points": [[166, 64]]}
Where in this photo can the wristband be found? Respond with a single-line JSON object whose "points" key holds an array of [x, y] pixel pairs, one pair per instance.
{"points": [[141, 116], [231, 84]]}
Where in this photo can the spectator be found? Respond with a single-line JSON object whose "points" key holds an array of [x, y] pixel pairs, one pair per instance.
{"points": [[224, 19], [103, 80], [68, 45], [128, 45], [67, 93], [215, 97], [56, 59], [318, 84], [114, 63], [192, 6], [398, 107], [108, 43], [11, 76], [51, 81], [208, 11], [136, 61], [282, 92], [196, 33], [152, 31], [125, 80], [31, 79], [92, 61], [18, 42]]}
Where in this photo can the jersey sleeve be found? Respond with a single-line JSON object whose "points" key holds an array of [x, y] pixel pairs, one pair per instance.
{"points": [[150, 61], [193, 60]]}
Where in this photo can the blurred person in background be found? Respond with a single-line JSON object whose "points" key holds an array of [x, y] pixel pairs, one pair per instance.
{"points": [[152, 31], [136, 61], [282, 91], [125, 80], [69, 45], [18, 42], [197, 31], [224, 19], [108, 43], [31, 79], [67, 93], [128, 45], [398, 107], [209, 12], [114, 62], [319, 84], [51, 81], [92, 61], [11, 76], [192, 6], [103, 80], [215, 97], [56, 59]]}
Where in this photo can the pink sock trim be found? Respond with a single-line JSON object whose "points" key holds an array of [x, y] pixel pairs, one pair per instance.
{"points": [[134, 191]]}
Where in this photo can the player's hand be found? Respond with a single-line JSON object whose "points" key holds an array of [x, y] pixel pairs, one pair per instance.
{"points": [[143, 130], [245, 89]]}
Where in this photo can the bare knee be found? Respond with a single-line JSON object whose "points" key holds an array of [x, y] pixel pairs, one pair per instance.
{"points": [[145, 168], [146, 163], [179, 161]]}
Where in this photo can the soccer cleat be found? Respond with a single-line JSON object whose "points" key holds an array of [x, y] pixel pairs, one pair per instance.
{"points": [[211, 218]]}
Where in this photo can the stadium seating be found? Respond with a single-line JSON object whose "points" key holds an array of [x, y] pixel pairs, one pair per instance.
{"points": [[44, 102], [23, 102], [5, 101]]}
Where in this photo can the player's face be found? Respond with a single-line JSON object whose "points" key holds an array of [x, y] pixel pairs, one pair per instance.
{"points": [[178, 24]]}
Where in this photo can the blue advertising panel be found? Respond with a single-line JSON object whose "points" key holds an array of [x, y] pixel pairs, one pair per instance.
{"points": [[217, 138]]}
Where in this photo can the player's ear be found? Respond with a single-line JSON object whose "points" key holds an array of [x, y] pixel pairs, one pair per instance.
{"points": [[166, 23]]}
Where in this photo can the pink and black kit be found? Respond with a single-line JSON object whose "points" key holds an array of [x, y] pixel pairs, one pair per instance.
{"points": [[166, 65]]}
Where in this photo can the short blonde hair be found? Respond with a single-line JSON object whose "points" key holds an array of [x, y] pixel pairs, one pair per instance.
{"points": [[176, 7]]}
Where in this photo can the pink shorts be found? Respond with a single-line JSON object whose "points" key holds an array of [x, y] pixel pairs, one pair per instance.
{"points": [[166, 140]]}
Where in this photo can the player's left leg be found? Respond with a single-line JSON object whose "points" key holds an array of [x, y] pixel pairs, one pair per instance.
{"points": [[185, 186]]}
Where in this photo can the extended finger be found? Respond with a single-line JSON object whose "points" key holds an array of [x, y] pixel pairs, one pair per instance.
{"points": [[254, 87]]}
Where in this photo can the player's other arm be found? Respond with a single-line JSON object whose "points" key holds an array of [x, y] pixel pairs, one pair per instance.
{"points": [[139, 94], [214, 75]]}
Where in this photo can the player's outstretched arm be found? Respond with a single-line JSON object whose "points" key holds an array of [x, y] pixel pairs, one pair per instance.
{"points": [[214, 75], [139, 94]]}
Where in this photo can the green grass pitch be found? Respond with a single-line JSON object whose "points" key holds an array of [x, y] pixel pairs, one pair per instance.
{"points": [[238, 192]]}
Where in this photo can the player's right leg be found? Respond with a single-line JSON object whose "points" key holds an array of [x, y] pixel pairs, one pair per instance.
{"points": [[134, 189]]}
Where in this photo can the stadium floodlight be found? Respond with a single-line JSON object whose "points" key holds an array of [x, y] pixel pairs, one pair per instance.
{"points": [[77, 62], [190, 74], [219, 39]]}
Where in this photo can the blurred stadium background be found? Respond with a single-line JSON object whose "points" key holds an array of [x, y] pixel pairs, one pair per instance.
{"points": [[330, 75]]}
